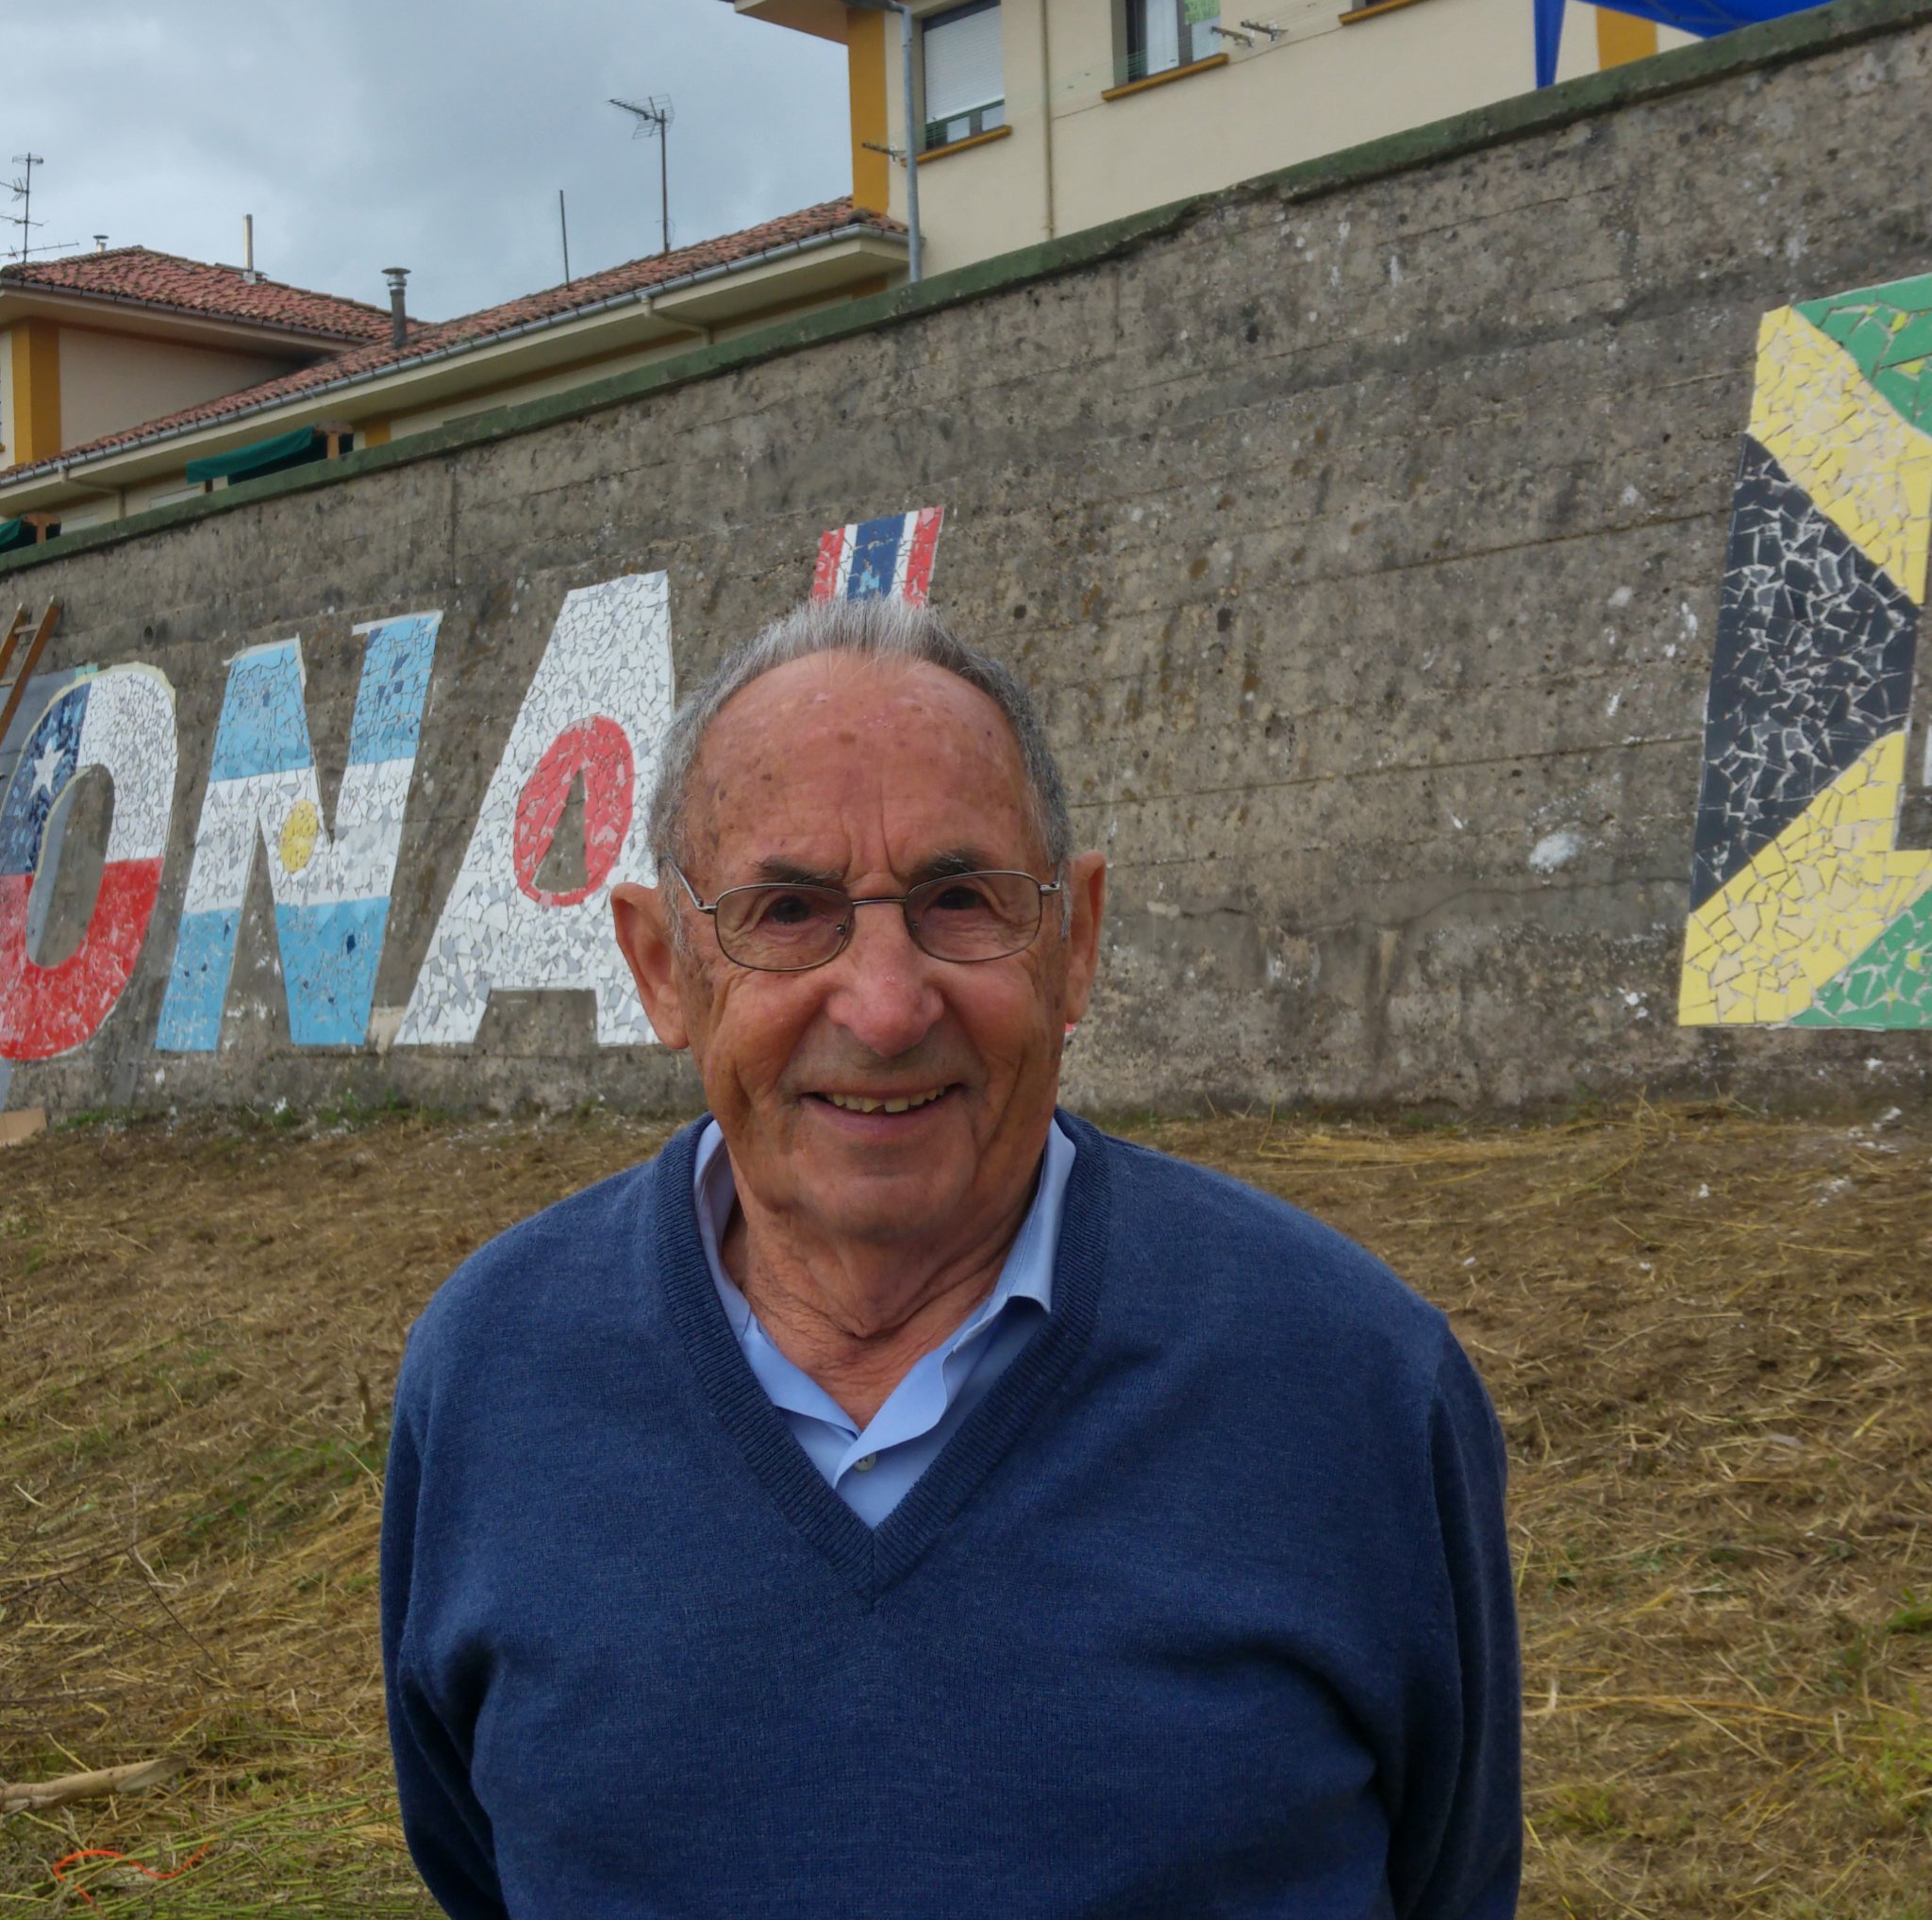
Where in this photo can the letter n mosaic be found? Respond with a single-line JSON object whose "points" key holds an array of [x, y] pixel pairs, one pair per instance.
{"points": [[331, 888], [1805, 909]]}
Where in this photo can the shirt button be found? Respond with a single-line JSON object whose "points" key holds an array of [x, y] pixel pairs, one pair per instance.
{"points": [[865, 1465]]}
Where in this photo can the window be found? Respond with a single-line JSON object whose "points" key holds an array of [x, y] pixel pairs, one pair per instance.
{"points": [[1164, 34], [965, 85]]}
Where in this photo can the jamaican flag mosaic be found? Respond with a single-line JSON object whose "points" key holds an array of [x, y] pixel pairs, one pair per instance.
{"points": [[1804, 907]]}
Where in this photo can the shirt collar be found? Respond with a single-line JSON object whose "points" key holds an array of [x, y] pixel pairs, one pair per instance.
{"points": [[1027, 1275]]}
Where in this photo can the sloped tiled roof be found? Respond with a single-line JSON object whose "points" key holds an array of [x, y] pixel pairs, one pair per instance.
{"points": [[139, 275], [552, 304]]}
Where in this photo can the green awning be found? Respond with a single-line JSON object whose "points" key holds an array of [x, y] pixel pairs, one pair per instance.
{"points": [[15, 533], [262, 456]]}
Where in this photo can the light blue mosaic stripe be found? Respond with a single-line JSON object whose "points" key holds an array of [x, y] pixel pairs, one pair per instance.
{"points": [[264, 723], [198, 982], [394, 685], [329, 957]]}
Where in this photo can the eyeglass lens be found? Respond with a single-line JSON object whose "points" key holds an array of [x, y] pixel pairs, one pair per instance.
{"points": [[957, 917]]}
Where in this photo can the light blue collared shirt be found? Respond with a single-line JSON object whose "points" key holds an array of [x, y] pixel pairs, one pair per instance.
{"points": [[872, 1471]]}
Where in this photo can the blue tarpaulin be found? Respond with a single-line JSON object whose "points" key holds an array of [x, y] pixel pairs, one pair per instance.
{"points": [[1705, 18]]}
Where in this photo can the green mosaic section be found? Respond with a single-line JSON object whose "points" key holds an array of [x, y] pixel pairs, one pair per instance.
{"points": [[1889, 984], [1887, 330]]}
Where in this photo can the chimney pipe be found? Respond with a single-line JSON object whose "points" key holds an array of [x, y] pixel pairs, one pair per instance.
{"points": [[398, 320], [248, 248], [100, 243]]}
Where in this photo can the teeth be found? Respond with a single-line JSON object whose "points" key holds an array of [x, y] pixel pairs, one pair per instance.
{"points": [[857, 1103]]}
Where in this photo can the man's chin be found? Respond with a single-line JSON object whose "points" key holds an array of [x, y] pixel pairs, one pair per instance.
{"points": [[880, 1207]]}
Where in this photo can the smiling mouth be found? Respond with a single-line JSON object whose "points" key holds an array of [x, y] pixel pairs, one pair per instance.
{"points": [[894, 1102]]}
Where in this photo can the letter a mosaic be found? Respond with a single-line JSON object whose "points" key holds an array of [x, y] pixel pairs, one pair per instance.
{"points": [[331, 888], [594, 712], [1805, 909]]}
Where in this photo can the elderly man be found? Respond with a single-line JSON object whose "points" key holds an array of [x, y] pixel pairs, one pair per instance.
{"points": [[899, 1498]]}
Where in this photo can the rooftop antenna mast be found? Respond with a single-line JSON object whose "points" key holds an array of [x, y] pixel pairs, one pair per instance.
{"points": [[24, 193], [652, 117]]}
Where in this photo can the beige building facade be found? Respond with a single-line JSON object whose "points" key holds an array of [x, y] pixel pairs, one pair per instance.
{"points": [[126, 378], [1037, 117]]}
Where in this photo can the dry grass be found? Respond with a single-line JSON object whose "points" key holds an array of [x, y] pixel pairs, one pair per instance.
{"points": [[1706, 1333]]}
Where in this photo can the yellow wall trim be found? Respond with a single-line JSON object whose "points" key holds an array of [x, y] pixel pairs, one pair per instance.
{"points": [[865, 84], [1161, 80], [1622, 38], [34, 429], [960, 146], [1355, 15]]}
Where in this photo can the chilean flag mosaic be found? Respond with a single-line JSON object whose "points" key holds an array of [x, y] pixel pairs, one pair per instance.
{"points": [[123, 722], [331, 889], [873, 559]]}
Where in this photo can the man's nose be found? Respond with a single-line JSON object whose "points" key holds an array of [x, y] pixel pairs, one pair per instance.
{"points": [[883, 993]]}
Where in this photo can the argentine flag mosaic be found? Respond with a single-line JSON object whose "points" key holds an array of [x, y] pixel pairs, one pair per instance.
{"points": [[1805, 909], [330, 888]]}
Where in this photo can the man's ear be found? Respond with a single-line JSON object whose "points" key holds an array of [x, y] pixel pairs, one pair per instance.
{"points": [[1086, 895], [644, 936]]}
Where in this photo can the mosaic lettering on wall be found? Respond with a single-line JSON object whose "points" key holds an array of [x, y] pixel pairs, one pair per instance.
{"points": [[331, 888], [1805, 909], [122, 721], [595, 710], [875, 560]]}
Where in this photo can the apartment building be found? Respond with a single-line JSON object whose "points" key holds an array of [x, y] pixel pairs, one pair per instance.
{"points": [[1034, 118], [129, 378]]}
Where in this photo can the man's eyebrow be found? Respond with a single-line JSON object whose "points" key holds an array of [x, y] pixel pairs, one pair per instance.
{"points": [[954, 859], [778, 872], [784, 873]]}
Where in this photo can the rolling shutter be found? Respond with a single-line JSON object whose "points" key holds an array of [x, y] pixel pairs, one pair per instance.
{"points": [[962, 61]]}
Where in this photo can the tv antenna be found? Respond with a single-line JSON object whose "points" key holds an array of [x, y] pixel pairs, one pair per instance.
{"points": [[653, 117], [24, 193]]}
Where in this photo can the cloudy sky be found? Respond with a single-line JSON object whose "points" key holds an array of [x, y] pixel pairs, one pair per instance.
{"points": [[420, 133]]}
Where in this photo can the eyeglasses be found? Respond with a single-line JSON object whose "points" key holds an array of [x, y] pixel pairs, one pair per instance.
{"points": [[778, 927]]}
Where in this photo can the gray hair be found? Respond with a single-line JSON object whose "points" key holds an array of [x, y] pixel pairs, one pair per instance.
{"points": [[880, 629]]}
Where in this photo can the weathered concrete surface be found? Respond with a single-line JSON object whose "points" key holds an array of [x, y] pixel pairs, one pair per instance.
{"points": [[1362, 538]]}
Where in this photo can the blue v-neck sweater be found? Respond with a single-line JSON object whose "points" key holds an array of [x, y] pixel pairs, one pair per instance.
{"points": [[1205, 1609]]}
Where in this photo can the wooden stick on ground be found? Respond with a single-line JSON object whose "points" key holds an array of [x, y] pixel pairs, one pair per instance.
{"points": [[34, 1796]]}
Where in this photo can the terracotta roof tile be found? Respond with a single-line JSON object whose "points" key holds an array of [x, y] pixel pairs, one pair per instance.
{"points": [[202, 288], [552, 302]]}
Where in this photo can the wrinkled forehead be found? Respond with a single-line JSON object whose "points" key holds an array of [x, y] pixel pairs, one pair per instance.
{"points": [[833, 746]]}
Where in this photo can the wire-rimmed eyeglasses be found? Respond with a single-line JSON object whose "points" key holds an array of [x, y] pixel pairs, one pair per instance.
{"points": [[781, 927]]}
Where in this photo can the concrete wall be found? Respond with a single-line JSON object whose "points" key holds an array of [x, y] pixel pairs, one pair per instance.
{"points": [[1373, 536]]}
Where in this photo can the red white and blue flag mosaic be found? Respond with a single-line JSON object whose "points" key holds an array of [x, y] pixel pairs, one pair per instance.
{"points": [[876, 559]]}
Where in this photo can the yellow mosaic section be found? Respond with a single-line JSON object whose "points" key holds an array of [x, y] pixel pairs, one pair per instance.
{"points": [[1867, 470], [1809, 904]]}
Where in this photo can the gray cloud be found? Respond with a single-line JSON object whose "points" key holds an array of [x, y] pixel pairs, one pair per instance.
{"points": [[420, 133]]}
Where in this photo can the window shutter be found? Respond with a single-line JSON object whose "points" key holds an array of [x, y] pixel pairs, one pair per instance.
{"points": [[962, 63]]}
